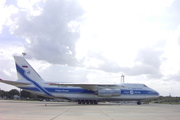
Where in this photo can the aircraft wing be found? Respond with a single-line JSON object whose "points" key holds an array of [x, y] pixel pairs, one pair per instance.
{"points": [[88, 86], [14, 82]]}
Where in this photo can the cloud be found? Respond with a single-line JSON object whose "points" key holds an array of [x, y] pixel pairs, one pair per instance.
{"points": [[173, 77], [147, 63], [53, 34], [150, 62], [6, 12], [171, 18], [65, 74], [7, 71]]}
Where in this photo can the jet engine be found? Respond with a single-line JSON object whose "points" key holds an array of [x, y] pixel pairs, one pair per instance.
{"points": [[108, 92]]}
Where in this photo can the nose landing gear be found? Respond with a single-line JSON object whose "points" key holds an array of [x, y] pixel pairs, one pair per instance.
{"points": [[139, 103]]}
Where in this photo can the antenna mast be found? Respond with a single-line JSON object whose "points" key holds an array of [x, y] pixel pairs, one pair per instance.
{"points": [[122, 78]]}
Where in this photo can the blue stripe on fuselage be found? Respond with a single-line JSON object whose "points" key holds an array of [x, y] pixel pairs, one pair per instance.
{"points": [[22, 72], [84, 91], [61, 90]]}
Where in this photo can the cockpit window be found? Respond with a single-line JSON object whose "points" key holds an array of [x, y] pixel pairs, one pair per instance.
{"points": [[145, 85]]}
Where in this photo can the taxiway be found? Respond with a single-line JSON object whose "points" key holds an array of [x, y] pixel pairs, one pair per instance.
{"points": [[26, 110]]}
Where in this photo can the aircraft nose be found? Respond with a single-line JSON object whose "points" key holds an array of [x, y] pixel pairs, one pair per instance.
{"points": [[157, 93]]}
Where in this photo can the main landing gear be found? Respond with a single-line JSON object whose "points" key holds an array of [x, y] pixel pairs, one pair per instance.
{"points": [[88, 102], [139, 103]]}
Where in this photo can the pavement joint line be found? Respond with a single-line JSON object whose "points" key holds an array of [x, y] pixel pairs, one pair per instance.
{"points": [[61, 114], [104, 113]]}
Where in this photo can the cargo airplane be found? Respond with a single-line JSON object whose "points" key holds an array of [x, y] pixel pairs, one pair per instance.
{"points": [[83, 93]]}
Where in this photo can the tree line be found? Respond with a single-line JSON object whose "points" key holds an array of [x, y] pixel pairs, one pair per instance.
{"points": [[168, 99], [25, 95]]}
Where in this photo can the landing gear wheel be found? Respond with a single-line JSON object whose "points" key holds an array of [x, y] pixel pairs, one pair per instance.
{"points": [[95, 102], [139, 103], [82, 102], [79, 102], [87, 102], [91, 102]]}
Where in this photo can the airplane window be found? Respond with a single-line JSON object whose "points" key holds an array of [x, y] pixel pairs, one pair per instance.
{"points": [[145, 86]]}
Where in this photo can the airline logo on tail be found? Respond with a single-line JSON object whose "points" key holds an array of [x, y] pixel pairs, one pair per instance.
{"points": [[28, 72]]}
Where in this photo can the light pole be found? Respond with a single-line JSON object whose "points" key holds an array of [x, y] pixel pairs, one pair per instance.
{"points": [[122, 78], [24, 54], [169, 98], [20, 94]]}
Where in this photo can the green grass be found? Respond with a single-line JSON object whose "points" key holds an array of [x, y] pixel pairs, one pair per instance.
{"points": [[172, 103]]}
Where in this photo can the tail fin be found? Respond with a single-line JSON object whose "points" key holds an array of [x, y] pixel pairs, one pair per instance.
{"points": [[25, 71]]}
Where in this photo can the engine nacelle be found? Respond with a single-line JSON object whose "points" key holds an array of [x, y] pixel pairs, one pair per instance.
{"points": [[116, 92], [108, 92]]}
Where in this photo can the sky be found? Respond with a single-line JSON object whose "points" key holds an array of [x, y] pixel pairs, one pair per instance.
{"points": [[94, 41]]}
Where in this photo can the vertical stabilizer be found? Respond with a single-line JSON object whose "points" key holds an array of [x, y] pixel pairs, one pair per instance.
{"points": [[25, 71]]}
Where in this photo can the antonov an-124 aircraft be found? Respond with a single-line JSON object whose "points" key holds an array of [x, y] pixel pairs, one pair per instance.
{"points": [[83, 93]]}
